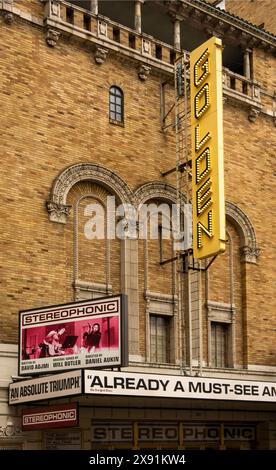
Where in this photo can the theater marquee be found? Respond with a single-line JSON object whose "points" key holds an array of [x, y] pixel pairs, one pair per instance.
{"points": [[207, 149], [173, 386], [97, 382], [45, 388], [91, 333]]}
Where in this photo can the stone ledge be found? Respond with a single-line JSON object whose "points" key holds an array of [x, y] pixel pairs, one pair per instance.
{"points": [[8, 350]]}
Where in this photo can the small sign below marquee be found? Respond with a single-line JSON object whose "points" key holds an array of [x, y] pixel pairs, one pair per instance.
{"points": [[59, 416]]}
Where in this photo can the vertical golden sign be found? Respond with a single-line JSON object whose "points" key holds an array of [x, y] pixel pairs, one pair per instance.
{"points": [[207, 149]]}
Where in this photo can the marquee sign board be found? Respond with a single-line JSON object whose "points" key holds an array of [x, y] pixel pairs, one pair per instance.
{"points": [[45, 388], [99, 382], [174, 386]]}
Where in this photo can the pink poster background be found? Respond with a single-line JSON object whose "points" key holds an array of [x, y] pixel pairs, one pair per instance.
{"points": [[72, 341]]}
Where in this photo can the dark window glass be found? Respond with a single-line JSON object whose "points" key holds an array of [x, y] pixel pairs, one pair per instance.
{"points": [[159, 338], [116, 34], [219, 344], [132, 41], [70, 15], [158, 52], [87, 22], [116, 104]]}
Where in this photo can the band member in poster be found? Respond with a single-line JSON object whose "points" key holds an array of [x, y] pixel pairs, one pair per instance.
{"points": [[29, 353], [52, 345], [92, 337]]}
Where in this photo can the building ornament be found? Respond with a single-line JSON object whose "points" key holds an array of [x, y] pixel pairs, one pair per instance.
{"points": [[249, 250], [253, 114], [102, 28], [249, 254], [100, 55], [146, 46], [155, 190], [52, 37], [8, 17], [59, 209], [84, 172], [55, 8], [58, 212], [11, 430], [144, 72]]}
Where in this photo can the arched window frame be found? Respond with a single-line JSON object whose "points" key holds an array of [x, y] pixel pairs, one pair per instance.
{"points": [[116, 105]]}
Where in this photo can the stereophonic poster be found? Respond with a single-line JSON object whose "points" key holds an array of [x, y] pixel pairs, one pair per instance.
{"points": [[91, 333]]}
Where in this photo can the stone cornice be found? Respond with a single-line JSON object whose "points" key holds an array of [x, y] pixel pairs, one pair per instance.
{"points": [[226, 20], [214, 19]]}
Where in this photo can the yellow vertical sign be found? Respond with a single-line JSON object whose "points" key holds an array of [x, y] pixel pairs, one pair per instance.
{"points": [[207, 149]]}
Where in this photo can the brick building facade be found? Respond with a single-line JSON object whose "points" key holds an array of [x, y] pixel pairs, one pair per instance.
{"points": [[62, 149]]}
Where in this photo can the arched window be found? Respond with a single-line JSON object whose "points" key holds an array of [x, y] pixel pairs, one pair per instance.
{"points": [[116, 105]]}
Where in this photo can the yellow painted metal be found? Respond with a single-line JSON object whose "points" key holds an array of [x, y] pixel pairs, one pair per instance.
{"points": [[207, 149]]}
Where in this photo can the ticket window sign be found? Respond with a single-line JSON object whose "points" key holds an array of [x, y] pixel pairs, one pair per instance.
{"points": [[207, 149]]}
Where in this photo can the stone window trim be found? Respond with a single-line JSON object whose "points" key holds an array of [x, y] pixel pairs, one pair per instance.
{"points": [[91, 290], [219, 312], [57, 203], [156, 190], [59, 210], [161, 304], [249, 249]]}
